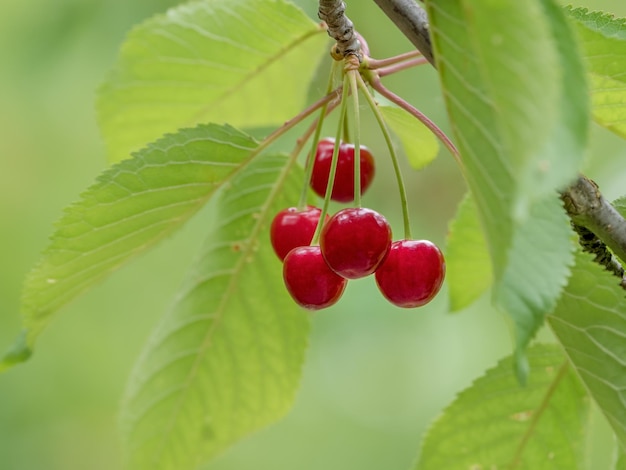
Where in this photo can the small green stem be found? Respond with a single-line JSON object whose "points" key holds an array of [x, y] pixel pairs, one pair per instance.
{"points": [[346, 129], [394, 158], [352, 74], [318, 130], [333, 164]]}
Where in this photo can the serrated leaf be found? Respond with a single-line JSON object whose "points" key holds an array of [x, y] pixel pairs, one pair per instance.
{"points": [[242, 62], [517, 99], [226, 358], [536, 274], [603, 44], [590, 323], [133, 205], [468, 267], [495, 423], [418, 142]]}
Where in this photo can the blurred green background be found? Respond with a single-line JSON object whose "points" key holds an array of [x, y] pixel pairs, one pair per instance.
{"points": [[375, 377]]}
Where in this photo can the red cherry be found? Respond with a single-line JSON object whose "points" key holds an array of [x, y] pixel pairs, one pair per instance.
{"points": [[355, 241], [343, 188], [293, 227], [412, 274], [309, 280]]}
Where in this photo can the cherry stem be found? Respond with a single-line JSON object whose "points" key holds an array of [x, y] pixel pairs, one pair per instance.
{"points": [[392, 153], [333, 163], [318, 130], [373, 64], [391, 96], [294, 121], [382, 72], [346, 129], [352, 74]]}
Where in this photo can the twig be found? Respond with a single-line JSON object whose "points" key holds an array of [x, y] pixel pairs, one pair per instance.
{"points": [[592, 244], [583, 201], [340, 28], [586, 206], [412, 20]]}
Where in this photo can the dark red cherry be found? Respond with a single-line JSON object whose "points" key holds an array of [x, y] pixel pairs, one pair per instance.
{"points": [[293, 227], [309, 280], [343, 188], [412, 274], [355, 241]]}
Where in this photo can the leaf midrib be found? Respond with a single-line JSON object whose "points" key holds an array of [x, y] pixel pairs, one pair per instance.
{"points": [[253, 73], [220, 311], [536, 417]]}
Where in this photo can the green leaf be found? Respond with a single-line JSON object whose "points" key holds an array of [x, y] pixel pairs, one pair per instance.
{"points": [[498, 424], [590, 322], [468, 268], [226, 359], [244, 62], [620, 205], [517, 100], [133, 205], [603, 44], [620, 459], [418, 142], [536, 274]]}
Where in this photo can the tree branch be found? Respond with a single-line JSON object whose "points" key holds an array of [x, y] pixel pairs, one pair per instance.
{"points": [[412, 20], [588, 208], [340, 28], [583, 201]]}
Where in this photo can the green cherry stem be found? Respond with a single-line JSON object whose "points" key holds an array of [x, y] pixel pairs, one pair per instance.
{"points": [[308, 172], [346, 129], [392, 153], [354, 90], [334, 160]]}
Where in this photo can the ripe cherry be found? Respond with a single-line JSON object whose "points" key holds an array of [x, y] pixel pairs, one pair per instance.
{"points": [[355, 241], [412, 274], [293, 227], [343, 187], [309, 280]]}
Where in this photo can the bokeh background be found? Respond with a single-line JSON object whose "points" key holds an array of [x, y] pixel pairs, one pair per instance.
{"points": [[376, 376]]}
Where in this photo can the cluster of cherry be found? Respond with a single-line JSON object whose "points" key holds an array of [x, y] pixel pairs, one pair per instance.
{"points": [[353, 243]]}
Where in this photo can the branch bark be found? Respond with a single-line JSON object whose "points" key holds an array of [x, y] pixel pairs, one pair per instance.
{"points": [[412, 20], [587, 207], [340, 28], [583, 201]]}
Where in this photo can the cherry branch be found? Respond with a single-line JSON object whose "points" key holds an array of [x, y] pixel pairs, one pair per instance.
{"points": [[412, 21], [340, 28], [584, 203], [587, 208]]}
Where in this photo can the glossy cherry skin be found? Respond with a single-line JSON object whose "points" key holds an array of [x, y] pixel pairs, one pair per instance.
{"points": [[343, 188], [309, 280], [412, 274], [355, 241], [293, 227]]}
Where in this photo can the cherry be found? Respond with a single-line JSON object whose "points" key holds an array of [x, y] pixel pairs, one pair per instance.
{"points": [[293, 227], [355, 241], [309, 280], [343, 187], [412, 274]]}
